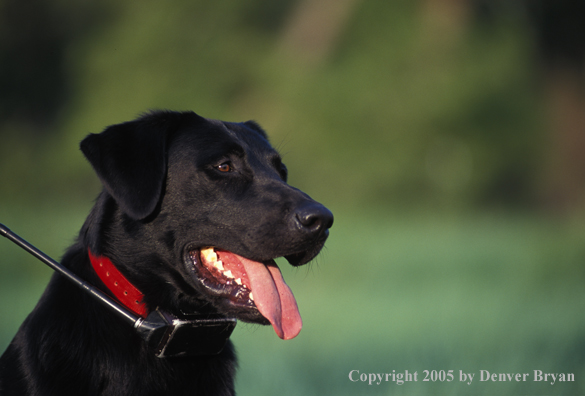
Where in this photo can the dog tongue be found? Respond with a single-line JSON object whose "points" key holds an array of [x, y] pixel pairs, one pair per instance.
{"points": [[273, 297]]}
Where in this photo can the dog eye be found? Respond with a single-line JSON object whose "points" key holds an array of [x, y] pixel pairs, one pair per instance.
{"points": [[224, 167]]}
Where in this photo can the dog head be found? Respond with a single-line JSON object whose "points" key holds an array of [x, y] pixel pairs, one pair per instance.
{"points": [[194, 212]]}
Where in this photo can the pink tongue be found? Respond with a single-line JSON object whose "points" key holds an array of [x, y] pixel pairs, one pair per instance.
{"points": [[273, 298]]}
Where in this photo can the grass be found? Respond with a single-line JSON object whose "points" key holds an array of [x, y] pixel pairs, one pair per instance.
{"points": [[498, 293]]}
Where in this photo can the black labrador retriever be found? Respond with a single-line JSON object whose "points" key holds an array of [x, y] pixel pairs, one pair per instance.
{"points": [[192, 215]]}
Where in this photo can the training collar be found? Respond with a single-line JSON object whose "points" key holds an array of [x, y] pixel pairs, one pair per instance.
{"points": [[166, 334]]}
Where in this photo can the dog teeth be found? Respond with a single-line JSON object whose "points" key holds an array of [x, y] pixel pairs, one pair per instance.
{"points": [[209, 254], [219, 265], [251, 296]]}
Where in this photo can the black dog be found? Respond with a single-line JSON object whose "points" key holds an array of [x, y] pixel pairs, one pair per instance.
{"points": [[192, 214]]}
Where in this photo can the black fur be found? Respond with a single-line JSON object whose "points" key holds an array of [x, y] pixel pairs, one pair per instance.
{"points": [[172, 182]]}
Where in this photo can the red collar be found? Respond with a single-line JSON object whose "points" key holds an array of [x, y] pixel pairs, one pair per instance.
{"points": [[120, 287]]}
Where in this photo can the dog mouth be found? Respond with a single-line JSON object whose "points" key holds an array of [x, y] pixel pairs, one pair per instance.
{"points": [[248, 286]]}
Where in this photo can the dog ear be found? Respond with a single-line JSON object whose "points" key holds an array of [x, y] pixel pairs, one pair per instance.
{"points": [[255, 126], [131, 160]]}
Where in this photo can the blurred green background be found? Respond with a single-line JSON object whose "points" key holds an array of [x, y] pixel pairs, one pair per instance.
{"points": [[447, 136]]}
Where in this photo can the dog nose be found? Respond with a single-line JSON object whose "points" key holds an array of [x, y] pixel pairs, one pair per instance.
{"points": [[314, 217]]}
